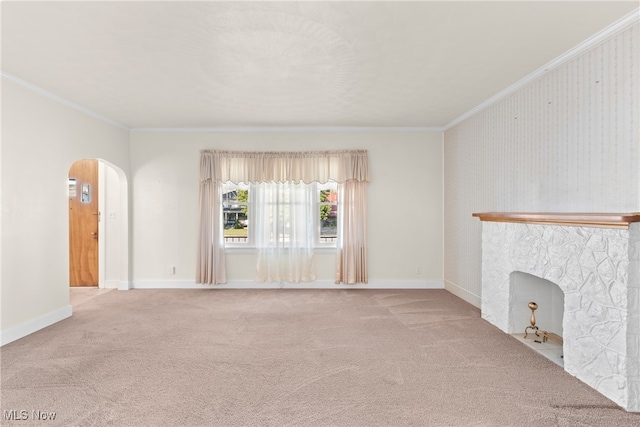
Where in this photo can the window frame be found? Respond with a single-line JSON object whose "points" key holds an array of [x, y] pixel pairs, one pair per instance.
{"points": [[226, 188], [331, 186], [249, 242]]}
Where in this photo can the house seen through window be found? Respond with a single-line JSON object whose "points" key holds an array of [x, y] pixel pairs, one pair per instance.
{"points": [[239, 218]]}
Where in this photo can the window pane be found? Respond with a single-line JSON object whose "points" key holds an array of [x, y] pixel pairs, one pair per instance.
{"points": [[328, 213], [235, 212], [328, 223], [237, 208]]}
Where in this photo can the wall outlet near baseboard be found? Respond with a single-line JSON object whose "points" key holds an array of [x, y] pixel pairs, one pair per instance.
{"points": [[418, 270], [171, 270]]}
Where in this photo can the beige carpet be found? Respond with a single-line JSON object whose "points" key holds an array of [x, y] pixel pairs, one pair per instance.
{"points": [[289, 358], [81, 294]]}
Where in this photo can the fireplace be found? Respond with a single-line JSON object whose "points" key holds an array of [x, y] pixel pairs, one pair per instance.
{"points": [[594, 260]]}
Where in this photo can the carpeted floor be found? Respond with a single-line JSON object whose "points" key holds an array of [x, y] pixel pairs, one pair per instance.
{"points": [[80, 295], [289, 358]]}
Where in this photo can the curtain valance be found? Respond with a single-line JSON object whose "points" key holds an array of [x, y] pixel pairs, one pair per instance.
{"points": [[284, 166]]}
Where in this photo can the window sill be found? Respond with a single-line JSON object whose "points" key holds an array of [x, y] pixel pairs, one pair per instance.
{"points": [[252, 249], [240, 249], [325, 249]]}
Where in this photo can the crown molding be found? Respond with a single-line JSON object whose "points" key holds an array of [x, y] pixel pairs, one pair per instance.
{"points": [[613, 29], [290, 129], [64, 101], [221, 129]]}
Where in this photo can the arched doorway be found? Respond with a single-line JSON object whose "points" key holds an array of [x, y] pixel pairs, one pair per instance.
{"points": [[98, 225]]}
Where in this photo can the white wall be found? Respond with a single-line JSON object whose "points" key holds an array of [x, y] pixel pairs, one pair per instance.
{"points": [[40, 140], [405, 201], [111, 213], [568, 141]]}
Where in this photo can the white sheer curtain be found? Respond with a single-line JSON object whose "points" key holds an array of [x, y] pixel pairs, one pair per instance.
{"points": [[349, 168], [284, 228]]}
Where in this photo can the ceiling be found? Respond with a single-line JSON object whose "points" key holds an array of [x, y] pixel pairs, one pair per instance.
{"points": [[317, 64]]}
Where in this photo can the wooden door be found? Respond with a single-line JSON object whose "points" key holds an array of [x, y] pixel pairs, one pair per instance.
{"points": [[83, 223]]}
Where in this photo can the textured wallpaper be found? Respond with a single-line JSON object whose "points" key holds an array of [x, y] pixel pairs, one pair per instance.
{"points": [[567, 142]]}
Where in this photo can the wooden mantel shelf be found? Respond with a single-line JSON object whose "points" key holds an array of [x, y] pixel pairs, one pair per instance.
{"points": [[574, 219]]}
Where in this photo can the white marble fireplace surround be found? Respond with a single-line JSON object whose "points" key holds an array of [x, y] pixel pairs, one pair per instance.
{"points": [[595, 260]]}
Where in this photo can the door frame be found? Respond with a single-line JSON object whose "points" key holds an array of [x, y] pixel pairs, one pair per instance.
{"points": [[123, 280]]}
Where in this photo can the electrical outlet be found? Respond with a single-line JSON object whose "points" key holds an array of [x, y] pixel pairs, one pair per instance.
{"points": [[418, 270], [171, 270]]}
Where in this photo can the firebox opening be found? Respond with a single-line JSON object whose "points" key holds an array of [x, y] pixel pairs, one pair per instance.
{"points": [[549, 310]]}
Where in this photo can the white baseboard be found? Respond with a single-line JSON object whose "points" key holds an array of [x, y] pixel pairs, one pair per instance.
{"points": [[111, 284], [319, 284], [124, 286], [462, 293], [31, 326]]}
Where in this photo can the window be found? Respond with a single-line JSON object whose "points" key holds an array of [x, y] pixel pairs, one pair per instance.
{"points": [[284, 233], [235, 213], [328, 214], [238, 213]]}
